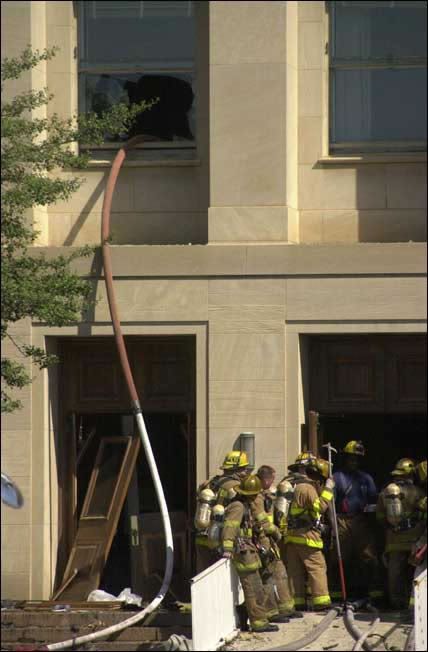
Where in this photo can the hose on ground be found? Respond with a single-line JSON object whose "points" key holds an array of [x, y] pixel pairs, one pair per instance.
{"points": [[309, 638], [351, 627], [410, 641], [108, 275], [359, 644]]}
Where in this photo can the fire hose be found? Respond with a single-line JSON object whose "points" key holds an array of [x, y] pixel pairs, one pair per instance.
{"points": [[349, 620], [120, 343], [312, 636]]}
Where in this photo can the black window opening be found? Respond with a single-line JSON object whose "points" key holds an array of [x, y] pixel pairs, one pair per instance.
{"points": [[131, 52], [378, 76]]}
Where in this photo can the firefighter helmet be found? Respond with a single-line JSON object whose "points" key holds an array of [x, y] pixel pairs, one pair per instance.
{"points": [[250, 486], [321, 466], [421, 470], [354, 448], [405, 466], [235, 460], [303, 459]]}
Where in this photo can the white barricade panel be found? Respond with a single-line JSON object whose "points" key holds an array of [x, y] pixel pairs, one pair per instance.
{"points": [[214, 594], [420, 585]]}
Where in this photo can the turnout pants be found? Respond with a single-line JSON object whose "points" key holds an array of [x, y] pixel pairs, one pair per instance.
{"points": [[247, 564], [305, 562], [275, 580], [400, 576], [358, 548]]}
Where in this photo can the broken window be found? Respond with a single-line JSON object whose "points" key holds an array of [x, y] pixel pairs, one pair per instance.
{"points": [[131, 52]]}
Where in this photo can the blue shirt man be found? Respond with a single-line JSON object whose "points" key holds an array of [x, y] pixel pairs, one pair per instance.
{"points": [[354, 491]]}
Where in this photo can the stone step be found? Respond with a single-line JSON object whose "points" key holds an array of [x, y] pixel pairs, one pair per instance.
{"points": [[29, 635], [99, 619]]}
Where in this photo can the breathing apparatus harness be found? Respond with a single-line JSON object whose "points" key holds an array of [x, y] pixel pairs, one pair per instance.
{"points": [[396, 521], [305, 520]]}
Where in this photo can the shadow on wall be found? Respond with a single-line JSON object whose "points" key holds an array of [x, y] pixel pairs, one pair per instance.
{"points": [[399, 190], [370, 202]]}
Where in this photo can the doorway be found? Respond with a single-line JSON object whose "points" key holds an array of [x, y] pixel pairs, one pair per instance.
{"points": [[136, 557], [373, 388], [96, 407], [387, 438]]}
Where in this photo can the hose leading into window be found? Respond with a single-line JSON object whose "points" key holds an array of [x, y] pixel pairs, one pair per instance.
{"points": [[108, 275]]}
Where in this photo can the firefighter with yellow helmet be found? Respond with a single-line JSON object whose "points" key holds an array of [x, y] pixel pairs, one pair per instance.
{"points": [[313, 492], [242, 540], [213, 495], [400, 511], [273, 572], [355, 496]]}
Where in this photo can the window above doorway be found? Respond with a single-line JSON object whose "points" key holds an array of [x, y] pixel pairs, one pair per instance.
{"points": [[134, 51], [377, 76]]}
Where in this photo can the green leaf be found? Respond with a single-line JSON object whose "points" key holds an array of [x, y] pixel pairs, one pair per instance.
{"points": [[35, 152]]}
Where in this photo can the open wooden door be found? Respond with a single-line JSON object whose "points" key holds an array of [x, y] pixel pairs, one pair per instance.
{"points": [[105, 497]]}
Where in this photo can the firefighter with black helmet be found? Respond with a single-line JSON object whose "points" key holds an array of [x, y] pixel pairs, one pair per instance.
{"points": [[241, 544], [212, 498], [313, 492], [400, 511], [355, 496]]}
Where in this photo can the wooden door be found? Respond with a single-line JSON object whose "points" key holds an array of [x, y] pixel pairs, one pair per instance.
{"points": [[406, 375], [105, 497], [368, 374]]}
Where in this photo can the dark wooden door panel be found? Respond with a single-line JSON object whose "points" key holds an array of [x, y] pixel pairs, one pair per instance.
{"points": [[163, 369], [369, 374], [348, 375], [406, 372]]}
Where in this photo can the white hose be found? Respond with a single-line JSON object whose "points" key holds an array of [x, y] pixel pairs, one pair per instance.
{"points": [[136, 618]]}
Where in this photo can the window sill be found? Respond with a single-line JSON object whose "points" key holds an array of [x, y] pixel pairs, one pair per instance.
{"points": [[155, 163], [415, 157]]}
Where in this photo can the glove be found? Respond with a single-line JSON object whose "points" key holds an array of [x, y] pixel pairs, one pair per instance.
{"points": [[227, 555], [276, 535], [330, 484]]}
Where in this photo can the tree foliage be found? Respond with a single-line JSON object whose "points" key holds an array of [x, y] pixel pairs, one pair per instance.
{"points": [[35, 150]]}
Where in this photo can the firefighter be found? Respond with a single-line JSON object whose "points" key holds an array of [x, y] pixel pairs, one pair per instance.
{"points": [[355, 496], [240, 544], [273, 572], [418, 556], [212, 496], [313, 493], [400, 511]]}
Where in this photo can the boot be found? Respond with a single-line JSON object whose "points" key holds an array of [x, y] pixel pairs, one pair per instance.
{"points": [[279, 618], [293, 614], [322, 609], [266, 628], [243, 617]]}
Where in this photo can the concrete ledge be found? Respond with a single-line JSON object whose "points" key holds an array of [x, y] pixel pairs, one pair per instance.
{"points": [[255, 260]]}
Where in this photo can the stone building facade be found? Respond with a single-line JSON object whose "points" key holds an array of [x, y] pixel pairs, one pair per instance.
{"points": [[260, 268]]}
